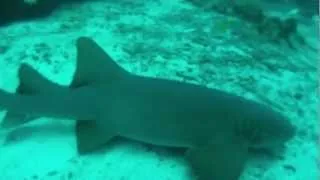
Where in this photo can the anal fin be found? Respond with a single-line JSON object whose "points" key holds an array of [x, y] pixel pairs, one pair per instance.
{"points": [[90, 136], [217, 161]]}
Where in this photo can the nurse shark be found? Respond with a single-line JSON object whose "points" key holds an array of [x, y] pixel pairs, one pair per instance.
{"points": [[217, 128]]}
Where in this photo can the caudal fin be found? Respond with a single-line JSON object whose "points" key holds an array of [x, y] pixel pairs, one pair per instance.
{"points": [[31, 83]]}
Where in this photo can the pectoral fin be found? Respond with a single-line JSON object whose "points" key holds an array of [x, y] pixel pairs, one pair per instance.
{"points": [[218, 161], [91, 136]]}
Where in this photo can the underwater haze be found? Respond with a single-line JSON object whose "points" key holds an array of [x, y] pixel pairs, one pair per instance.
{"points": [[264, 51]]}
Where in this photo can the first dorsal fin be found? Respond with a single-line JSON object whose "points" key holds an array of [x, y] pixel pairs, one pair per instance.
{"points": [[94, 65]]}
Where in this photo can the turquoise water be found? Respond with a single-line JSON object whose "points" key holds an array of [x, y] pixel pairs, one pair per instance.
{"points": [[269, 57]]}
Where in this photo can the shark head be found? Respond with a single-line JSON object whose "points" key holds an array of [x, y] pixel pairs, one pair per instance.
{"points": [[263, 127]]}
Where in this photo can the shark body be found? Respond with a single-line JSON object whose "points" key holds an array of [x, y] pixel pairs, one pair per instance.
{"points": [[216, 127]]}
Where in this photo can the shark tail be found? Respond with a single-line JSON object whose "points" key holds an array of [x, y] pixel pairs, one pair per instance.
{"points": [[31, 83], [94, 68]]}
